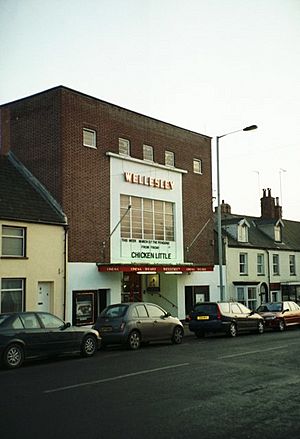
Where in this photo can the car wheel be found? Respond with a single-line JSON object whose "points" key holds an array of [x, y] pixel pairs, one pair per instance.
{"points": [[260, 328], [177, 335], [281, 325], [89, 346], [13, 356], [200, 334], [232, 330], [134, 340]]}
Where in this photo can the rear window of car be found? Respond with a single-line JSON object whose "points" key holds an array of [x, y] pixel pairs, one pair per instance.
{"points": [[114, 311], [206, 308], [270, 307], [3, 318], [224, 307]]}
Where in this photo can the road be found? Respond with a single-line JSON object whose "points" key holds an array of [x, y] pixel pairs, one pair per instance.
{"points": [[216, 387]]}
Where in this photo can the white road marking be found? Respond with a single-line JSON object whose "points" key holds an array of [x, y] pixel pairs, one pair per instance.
{"points": [[252, 352], [119, 377]]}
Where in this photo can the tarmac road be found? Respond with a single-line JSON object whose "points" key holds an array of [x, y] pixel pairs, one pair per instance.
{"points": [[216, 387]]}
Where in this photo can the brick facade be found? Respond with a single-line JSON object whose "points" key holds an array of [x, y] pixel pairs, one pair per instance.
{"points": [[46, 135]]}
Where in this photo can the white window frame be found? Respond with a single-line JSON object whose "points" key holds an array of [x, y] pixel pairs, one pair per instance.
{"points": [[260, 264], [93, 143], [243, 264], [278, 233], [292, 265], [276, 264], [124, 146], [169, 158], [243, 296], [10, 237], [148, 153], [197, 166], [242, 233], [20, 289]]}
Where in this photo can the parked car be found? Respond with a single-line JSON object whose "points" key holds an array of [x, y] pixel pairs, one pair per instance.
{"points": [[279, 315], [134, 323], [27, 335], [227, 317]]}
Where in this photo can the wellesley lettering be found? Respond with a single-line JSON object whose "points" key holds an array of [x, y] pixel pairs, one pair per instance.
{"points": [[150, 255]]}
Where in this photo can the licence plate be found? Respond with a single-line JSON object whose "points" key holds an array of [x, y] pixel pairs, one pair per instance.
{"points": [[202, 317]]}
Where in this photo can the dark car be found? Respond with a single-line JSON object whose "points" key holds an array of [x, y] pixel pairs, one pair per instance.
{"points": [[227, 317], [279, 315], [27, 335], [134, 323]]}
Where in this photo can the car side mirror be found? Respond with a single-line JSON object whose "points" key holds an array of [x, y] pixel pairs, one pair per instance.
{"points": [[285, 310], [166, 315], [65, 326], [251, 313]]}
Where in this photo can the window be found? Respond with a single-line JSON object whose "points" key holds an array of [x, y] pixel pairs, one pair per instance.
{"points": [[276, 265], [30, 321], [13, 241], [169, 158], [247, 296], [242, 233], [260, 264], [292, 261], [141, 310], [243, 263], [50, 321], [147, 219], [12, 295], [148, 153], [124, 146], [89, 138], [154, 312], [278, 233], [197, 166]]}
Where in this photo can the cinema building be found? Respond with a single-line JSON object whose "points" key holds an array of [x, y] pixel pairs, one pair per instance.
{"points": [[137, 193]]}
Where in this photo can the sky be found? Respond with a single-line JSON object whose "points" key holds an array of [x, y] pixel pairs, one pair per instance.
{"points": [[210, 66]]}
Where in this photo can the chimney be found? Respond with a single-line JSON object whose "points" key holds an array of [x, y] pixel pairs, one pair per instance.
{"points": [[4, 131], [225, 208], [278, 209], [267, 203]]}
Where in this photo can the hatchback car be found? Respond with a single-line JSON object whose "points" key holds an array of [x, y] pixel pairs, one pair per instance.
{"points": [[227, 317], [134, 323], [279, 315], [27, 335]]}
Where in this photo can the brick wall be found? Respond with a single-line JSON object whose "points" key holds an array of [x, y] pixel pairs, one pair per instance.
{"points": [[47, 137]]}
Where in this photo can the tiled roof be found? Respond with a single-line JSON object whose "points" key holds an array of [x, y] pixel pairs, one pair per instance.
{"points": [[257, 238], [23, 198]]}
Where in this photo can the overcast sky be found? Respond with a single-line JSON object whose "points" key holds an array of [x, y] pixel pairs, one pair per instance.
{"points": [[211, 66]]}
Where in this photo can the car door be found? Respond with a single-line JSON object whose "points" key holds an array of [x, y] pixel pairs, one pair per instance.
{"points": [[59, 338], [143, 322], [161, 328], [287, 313], [239, 317], [250, 319], [33, 334]]}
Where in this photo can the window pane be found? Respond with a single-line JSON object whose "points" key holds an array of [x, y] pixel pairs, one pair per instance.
{"points": [[148, 152], [124, 146], [50, 321], [13, 241], [197, 166], [169, 158], [89, 138]]}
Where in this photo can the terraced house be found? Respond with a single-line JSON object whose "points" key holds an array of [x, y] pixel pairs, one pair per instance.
{"points": [[137, 193], [262, 254]]}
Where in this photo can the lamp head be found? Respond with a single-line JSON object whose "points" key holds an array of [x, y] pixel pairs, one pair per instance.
{"points": [[250, 128]]}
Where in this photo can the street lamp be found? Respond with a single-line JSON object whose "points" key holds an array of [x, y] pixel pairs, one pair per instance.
{"points": [[219, 217]]}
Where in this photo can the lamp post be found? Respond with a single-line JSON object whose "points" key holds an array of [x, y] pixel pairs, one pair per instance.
{"points": [[219, 216]]}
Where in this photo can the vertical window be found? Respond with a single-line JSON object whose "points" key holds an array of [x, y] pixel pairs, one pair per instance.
{"points": [[147, 219], [124, 146], [247, 296], [278, 233], [292, 261], [13, 241], [252, 298], [243, 233], [148, 153], [169, 158], [197, 166], [260, 264], [241, 295], [89, 138], [243, 263], [276, 265], [12, 295]]}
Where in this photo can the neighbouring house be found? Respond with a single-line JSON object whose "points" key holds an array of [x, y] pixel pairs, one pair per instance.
{"points": [[261, 255], [33, 243], [137, 193]]}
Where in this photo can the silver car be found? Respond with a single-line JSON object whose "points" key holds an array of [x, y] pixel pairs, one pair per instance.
{"points": [[134, 323]]}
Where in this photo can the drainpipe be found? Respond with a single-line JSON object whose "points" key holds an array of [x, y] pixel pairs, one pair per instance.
{"points": [[269, 278], [65, 270]]}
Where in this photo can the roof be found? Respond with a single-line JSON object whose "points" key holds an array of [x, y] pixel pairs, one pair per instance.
{"points": [[258, 238], [23, 198]]}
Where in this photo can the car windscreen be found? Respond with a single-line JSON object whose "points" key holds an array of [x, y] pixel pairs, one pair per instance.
{"points": [[114, 311], [206, 308], [270, 307]]}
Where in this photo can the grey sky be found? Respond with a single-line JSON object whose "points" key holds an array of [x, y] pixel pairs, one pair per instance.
{"points": [[212, 66]]}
